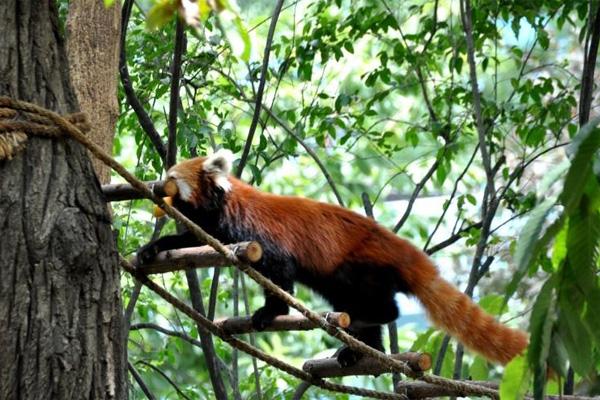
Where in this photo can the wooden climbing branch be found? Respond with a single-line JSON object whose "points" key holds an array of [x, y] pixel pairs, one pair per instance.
{"points": [[200, 257], [124, 191], [329, 367], [239, 325]]}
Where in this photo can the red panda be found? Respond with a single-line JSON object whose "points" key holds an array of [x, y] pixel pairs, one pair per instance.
{"points": [[354, 263]]}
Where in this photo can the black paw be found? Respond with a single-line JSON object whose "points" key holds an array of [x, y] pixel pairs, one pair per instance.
{"points": [[347, 357], [147, 253], [262, 318]]}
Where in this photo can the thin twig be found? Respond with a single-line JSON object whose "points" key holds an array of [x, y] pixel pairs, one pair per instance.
{"points": [[138, 378], [466, 15], [261, 87], [161, 373], [174, 100], [143, 117]]}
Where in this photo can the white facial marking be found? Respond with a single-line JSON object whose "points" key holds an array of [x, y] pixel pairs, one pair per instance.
{"points": [[184, 189]]}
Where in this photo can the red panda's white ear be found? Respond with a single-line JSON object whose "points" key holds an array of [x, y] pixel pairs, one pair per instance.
{"points": [[219, 163], [219, 166]]}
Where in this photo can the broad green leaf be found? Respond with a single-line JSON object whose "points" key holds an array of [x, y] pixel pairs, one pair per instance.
{"points": [[492, 304], [528, 246], [540, 327], [479, 370], [584, 146], [515, 379], [583, 245], [576, 338], [590, 316], [558, 356]]}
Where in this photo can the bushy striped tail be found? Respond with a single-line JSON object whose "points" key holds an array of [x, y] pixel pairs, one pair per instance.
{"points": [[454, 312]]}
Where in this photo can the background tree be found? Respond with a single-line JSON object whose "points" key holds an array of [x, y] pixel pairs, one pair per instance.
{"points": [[93, 51], [60, 307]]}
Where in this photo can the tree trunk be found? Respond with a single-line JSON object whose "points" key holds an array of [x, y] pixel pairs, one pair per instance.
{"points": [[60, 310], [93, 51]]}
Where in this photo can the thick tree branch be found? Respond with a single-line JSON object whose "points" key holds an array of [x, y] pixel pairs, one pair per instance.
{"points": [[261, 88]]}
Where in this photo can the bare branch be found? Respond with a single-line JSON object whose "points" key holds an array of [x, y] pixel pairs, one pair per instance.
{"points": [[240, 325], [180, 45]]}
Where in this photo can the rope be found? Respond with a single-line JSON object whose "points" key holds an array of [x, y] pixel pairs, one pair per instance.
{"points": [[16, 125], [67, 127]]}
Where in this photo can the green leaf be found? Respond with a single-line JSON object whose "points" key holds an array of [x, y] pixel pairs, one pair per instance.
{"points": [[161, 13], [492, 304], [558, 356], [479, 370], [576, 339], [583, 245], [540, 327], [584, 146], [529, 245], [515, 379]]}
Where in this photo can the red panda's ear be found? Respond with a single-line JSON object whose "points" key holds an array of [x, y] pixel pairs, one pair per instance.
{"points": [[219, 163], [218, 166]]}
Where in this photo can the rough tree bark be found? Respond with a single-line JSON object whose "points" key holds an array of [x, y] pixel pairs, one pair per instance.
{"points": [[60, 309], [93, 51]]}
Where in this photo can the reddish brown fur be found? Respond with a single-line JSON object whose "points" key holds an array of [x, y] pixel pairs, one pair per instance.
{"points": [[323, 237]]}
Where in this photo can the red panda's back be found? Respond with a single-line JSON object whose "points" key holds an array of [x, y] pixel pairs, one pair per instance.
{"points": [[321, 236]]}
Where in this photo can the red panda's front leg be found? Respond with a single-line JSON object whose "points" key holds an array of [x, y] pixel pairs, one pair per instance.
{"points": [[148, 252]]}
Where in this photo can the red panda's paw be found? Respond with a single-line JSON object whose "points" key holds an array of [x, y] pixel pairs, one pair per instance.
{"points": [[263, 317], [147, 253], [347, 357]]}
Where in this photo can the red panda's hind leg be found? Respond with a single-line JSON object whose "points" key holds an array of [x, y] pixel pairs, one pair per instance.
{"points": [[370, 335], [264, 316]]}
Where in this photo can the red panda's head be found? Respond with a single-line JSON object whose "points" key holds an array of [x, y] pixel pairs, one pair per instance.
{"points": [[198, 177]]}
